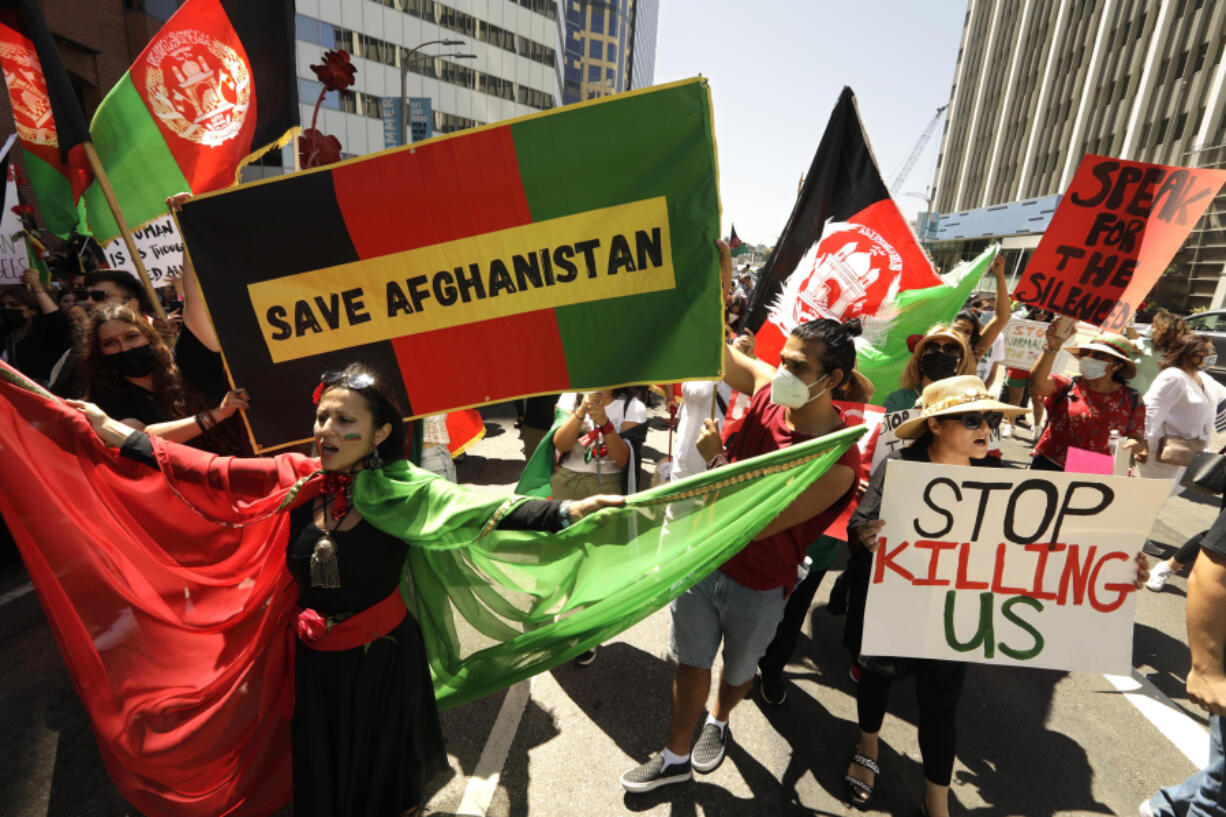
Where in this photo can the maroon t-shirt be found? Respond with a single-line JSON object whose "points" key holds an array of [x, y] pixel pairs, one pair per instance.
{"points": [[769, 563]]}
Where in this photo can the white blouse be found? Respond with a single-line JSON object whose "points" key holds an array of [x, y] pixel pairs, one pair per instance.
{"points": [[1175, 405]]}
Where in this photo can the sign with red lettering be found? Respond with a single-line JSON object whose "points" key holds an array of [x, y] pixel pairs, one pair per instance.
{"points": [[1116, 229], [999, 566]]}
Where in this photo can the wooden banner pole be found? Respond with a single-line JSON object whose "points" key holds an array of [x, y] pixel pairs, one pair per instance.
{"points": [[154, 301]]}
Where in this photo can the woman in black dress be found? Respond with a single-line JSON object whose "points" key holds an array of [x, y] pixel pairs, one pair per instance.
{"points": [[365, 730]]}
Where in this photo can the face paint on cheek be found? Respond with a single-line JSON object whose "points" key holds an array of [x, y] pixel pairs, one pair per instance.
{"points": [[348, 437]]}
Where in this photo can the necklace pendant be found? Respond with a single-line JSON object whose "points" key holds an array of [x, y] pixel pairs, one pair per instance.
{"points": [[325, 571]]}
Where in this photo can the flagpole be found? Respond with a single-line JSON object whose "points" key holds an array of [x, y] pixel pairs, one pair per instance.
{"points": [[113, 203]]}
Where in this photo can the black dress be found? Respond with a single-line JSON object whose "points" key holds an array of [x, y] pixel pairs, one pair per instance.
{"points": [[366, 734]]}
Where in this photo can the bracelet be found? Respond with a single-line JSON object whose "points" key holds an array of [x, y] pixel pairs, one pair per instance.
{"points": [[200, 422], [607, 428]]}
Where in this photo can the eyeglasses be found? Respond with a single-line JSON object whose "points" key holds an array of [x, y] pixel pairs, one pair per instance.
{"points": [[91, 294], [972, 420]]}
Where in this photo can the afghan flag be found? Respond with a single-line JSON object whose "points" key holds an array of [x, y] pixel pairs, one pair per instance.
{"points": [[475, 268], [736, 245], [46, 113], [213, 91], [846, 251]]}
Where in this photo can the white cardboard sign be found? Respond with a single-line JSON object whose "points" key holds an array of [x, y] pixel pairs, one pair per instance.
{"points": [[965, 570], [1024, 342], [160, 246]]}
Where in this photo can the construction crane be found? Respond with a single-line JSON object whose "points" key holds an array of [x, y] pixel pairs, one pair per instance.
{"points": [[917, 150]]}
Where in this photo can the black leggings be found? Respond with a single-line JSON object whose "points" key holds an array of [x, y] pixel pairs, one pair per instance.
{"points": [[788, 632], [1187, 552], [938, 686]]}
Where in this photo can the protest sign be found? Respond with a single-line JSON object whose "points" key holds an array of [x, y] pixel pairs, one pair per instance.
{"points": [[481, 266], [999, 566], [1116, 229], [13, 259], [1024, 342], [160, 247]]}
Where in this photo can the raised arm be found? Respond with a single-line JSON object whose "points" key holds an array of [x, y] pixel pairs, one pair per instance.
{"points": [[46, 305], [1058, 333], [742, 372], [195, 315], [997, 324]]}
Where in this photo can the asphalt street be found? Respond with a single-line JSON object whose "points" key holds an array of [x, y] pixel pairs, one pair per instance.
{"points": [[1031, 742]]}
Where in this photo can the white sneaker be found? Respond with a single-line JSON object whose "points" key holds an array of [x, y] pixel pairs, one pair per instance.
{"points": [[1158, 576], [1145, 809]]}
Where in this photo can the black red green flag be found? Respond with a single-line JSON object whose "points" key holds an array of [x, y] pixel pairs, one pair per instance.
{"points": [[490, 264], [735, 244], [211, 92], [46, 112]]}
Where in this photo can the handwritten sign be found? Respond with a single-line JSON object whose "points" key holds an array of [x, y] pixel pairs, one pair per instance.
{"points": [[13, 258], [1115, 231], [1024, 342], [160, 246], [999, 566]]}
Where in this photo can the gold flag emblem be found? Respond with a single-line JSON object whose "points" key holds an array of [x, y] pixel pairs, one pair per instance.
{"points": [[200, 88]]}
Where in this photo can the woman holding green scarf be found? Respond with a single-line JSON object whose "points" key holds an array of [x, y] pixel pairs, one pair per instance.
{"points": [[365, 729]]}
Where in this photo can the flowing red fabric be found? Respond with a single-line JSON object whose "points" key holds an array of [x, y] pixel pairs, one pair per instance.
{"points": [[176, 625]]}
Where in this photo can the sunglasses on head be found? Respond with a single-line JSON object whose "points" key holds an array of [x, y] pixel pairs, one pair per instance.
{"points": [[972, 420], [361, 380]]}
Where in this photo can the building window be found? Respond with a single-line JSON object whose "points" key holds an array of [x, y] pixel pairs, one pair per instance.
{"points": [[307, 29], [536, 52], [1183, 63], [495, 36], [534, 98], [495, 86], [423, 9], [593, 73], [458, 21], [597, 21], [595, 49], [544, 7], [449, 123], [1200, 56]]}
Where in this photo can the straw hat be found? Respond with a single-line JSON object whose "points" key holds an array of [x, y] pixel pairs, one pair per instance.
{"points": [[954, 395], [1117, 346]]}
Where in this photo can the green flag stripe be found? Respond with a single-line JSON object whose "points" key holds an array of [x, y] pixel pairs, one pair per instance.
{"points": [[54, 195], [560, 162], [140, 177]]}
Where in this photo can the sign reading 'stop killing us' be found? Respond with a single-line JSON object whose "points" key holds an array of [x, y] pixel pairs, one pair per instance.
{"points": [[1117, 227]]}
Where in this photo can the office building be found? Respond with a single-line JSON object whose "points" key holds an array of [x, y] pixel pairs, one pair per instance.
{"points": [[1039, 84], [610, 47]]}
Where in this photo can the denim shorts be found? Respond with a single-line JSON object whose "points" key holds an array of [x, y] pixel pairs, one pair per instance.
{"points": [[719, 608]]}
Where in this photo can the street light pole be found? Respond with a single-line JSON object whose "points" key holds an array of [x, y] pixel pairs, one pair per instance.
{"points": [[404, 78]]}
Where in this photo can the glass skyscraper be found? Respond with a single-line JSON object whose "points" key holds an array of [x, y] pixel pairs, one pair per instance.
{"points": [[610, 47]]}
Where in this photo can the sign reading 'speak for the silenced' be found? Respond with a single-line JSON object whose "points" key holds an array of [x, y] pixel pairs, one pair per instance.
{"points": [[1118, 226], [591, 256]]}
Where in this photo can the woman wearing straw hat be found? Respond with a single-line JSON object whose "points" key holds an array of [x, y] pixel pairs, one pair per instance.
{"points": [[940, 353], [953, 427], [1083, 410]]}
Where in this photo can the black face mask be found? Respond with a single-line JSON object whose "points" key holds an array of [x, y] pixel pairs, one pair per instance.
{"points": [[937, 365], [136, 362], [13, 319]]}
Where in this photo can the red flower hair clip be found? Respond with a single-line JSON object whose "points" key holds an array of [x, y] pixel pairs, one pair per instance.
{"points": [[913, 341]]}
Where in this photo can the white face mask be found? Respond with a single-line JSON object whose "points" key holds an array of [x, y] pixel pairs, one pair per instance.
{"points": [[1090, 368], [790, 391]]}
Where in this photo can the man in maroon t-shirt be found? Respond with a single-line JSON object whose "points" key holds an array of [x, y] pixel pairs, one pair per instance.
{"points": [[741, 603]]}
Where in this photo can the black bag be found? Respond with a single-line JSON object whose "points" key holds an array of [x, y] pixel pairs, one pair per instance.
{"points": [[1206, 473]]}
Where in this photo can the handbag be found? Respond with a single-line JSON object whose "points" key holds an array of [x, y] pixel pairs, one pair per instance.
{"points": [[1174, 450], [1206, 473]]}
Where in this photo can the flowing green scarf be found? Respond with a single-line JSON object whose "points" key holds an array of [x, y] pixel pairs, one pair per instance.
{"points": [[498, 606]]}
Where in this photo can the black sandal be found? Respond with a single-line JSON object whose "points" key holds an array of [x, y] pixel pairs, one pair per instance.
{"points": [[860, 793]]}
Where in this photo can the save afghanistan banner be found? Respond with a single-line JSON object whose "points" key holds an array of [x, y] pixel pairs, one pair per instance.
{"points": [[997, 566], [212, 91], [568, 250], [1117, 228]]}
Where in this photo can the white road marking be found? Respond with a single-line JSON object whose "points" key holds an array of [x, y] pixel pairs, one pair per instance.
{"points": [[1176, 726], [484, 781]]}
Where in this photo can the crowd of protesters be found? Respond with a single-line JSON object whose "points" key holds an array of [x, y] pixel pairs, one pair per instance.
{"points": [[93, 337]]}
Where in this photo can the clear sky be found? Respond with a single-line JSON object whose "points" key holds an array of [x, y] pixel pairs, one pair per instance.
{"points": [[776, 68]]}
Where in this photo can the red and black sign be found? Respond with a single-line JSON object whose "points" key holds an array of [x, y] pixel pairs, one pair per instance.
{"points": [[1117, 228]]}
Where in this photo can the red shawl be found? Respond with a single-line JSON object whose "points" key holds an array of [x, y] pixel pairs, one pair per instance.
{"points": [[176, 629]]}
